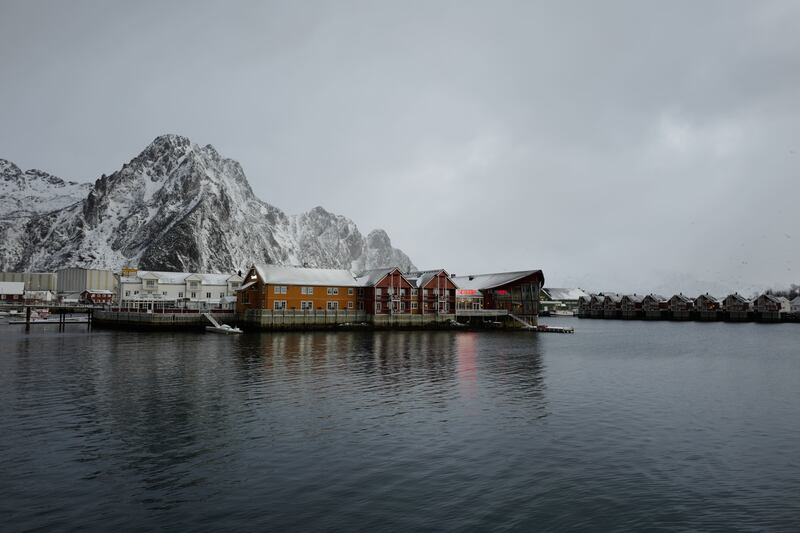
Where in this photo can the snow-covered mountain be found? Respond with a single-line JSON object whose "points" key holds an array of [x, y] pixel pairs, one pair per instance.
{"points": [[175, 206], [34, 191]]}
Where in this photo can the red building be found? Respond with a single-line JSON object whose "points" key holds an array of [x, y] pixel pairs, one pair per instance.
{"points": [[96, 297], [435, 292], [12, 291], [384, 291]]}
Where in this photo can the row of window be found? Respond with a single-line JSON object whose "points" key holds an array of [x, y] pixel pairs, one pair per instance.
{"points": [[414, 292], [193, 294], [307, 305], [332, 291]]}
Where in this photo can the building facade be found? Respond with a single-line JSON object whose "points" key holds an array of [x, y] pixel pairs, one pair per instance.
{"points": [[516, 292], [12, 291], [176, 289], [298, 289], [435, 292], [34, 281], [386, 291]]}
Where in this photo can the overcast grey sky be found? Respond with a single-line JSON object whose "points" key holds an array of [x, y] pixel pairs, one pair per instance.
{"points": [[623, 146]]}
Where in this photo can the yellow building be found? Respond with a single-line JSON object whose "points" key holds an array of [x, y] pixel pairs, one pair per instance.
{"points": [[282, 288]]}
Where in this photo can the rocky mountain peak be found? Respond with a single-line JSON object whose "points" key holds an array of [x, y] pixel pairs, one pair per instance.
{"points": [[178, 206]]}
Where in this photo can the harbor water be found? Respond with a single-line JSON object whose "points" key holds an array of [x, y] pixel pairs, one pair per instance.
{"points": [[623, 426]]}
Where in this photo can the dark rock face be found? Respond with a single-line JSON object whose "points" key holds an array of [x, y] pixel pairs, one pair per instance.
{"points": [[176, 206]]}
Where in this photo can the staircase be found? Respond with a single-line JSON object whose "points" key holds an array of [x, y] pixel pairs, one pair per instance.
{"points": [[524, 323], [211, 319]]}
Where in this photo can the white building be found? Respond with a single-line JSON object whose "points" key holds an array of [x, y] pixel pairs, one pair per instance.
{"points": [[796, 304], [180, 289]]}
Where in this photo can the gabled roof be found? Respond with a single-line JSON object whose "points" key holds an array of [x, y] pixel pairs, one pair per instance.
{"points": [[796, 300], [420, 278], [373, 276], [708, 297], [738, 297], [656, 297], [566, 294], [482, 282], [683, 298], [292, 275], [613, 297], [638, 298]]}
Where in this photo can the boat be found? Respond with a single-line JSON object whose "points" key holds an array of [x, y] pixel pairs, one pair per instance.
{"points": [[224, 328]]}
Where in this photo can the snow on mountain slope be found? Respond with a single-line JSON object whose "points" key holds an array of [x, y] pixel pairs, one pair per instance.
{"points": [[179, 206], [34, 191]]}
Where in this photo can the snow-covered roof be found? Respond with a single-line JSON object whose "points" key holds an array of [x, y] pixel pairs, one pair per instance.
{"points": [[12, 287], [291, 275], [98, 291], [638, 298], [490, 281], [739, 297], [371, 277], [683, 298], [566, 294], [246, 285], [796, 300], [178, 278], [420, 278], [613, 297], [708, 297]]}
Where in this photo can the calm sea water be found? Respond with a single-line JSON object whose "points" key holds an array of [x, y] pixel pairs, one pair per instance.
{"points": [[623, 426]]}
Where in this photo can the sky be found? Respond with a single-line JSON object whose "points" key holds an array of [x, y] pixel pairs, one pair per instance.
{"points": [[618, 146]]}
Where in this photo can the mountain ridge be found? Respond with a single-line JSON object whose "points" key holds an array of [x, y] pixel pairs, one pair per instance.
{"points": [[174, 206]]}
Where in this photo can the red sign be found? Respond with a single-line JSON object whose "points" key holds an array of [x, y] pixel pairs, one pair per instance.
{"points": [[467, 292]]}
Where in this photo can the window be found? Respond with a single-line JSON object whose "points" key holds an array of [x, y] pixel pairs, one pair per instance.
{"points": [[402, 306], [245, 297], [306, 290], [361, 291], [377, 307], [350, 291], [163, 293], [280, 289], [360, 306], [180, 295], [279, 305], [306, 305], [127, 293], [333, 306], [135, 292], [436, 292], [414, 292], [194, 294], [333, 291], [235, 284], [414, 305], [349, 305], [193, 284], [402, 292], [426, 292], [208, 295], [378, 292], [222, 295], [150, 283]]}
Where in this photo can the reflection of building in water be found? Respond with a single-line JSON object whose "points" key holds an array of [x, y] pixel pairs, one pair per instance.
{"points": [[467, 368]]}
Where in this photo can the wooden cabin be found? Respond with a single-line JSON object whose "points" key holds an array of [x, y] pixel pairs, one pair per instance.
{"points": [[631, 305]]}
